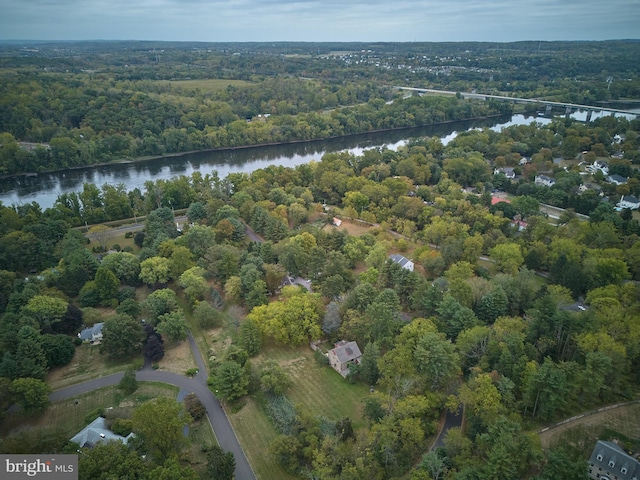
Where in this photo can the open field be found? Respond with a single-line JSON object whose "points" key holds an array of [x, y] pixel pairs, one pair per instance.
{"points": [[621, 424], [255, 432], [353, 228], [87, 363], [69, 416], [208, 85], [177, 358], [316, 389]]}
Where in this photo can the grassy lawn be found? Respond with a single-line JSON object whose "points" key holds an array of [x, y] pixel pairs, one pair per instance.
{"points": [[208, 85], [622, 424], [69, 417], [87, 364], [316, 389]]}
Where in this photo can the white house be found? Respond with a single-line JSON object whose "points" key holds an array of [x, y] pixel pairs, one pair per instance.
{"points": [[507, 171], [544, 180], [92, 334], [628, 201], [404, 262], [599, 165]]}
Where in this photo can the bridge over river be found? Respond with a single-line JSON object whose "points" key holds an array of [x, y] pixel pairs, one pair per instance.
{"points": [[569, 107]]}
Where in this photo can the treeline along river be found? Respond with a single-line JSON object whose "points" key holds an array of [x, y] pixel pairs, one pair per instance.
{"points": [[45, 188]]}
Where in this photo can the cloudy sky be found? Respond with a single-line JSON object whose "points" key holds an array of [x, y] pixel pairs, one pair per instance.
{"points": [[320, 20]]}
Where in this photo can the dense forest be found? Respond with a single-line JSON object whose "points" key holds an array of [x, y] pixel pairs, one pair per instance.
{"points": [[82, 104], [519, 318]]}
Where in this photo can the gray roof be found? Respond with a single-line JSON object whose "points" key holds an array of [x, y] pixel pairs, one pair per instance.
{"points": [[347, 351], [545, 178], [399, 259], [612, 459], [97, 432], [89, 332], [617, 178], [630, 199]]}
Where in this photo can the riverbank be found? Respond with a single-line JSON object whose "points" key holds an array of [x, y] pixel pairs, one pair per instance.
{"points": [[149, 158]]}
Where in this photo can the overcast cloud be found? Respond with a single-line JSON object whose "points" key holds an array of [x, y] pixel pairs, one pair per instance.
{"points": [[320, 20]]}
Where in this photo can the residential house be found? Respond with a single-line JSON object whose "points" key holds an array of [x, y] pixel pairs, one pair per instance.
{"points": [[610, 462], [599, 165], [545, 181], [97, 432], [589, 186], [628, 201], [344, 354], [617, 179], [404, 262], [507, 171], [92, 334]]}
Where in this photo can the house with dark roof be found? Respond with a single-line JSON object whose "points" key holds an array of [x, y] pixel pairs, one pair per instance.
{"points": [[97, 432], [617, 179], [344, 354], [545, 181], [628, 201], [92, 334], [404, 262], [610, 462]]}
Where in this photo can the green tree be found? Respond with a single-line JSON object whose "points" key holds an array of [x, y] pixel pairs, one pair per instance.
{"points": [[31, 394], [273, 378], [128, 384], [58, 349], [173, 325], [249, 337], [194, 284], [206, 315], [220, 464], [106, 285], [124, 265], [46, 310], [155, 270], [436, 358], [293, 320], [122, 336], [331, 322], [159, 423], [368, 369], [230, 381], [508, 257], [160, 302], [110, 460]]}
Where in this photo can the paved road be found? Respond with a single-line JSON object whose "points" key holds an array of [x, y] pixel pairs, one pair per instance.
{"points": [[217, 417], [451, 420]]}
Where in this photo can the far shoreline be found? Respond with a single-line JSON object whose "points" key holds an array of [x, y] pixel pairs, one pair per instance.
{"points": [[125, 161]]}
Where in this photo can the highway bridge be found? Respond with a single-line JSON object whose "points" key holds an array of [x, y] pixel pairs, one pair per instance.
{"points": [[569, 107]]}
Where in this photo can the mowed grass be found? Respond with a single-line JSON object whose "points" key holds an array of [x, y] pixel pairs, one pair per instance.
{"points": [[255, 433], [208, 85], [317, 390]]}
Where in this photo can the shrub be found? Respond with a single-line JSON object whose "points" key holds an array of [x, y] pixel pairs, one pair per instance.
{"points": [[122, 426], [320, 357], [193, 405]]}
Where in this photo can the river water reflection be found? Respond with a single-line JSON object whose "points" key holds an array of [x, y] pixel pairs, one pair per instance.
{"points": [[46, 187]]}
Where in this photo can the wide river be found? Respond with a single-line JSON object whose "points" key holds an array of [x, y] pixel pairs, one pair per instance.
{"points": [[46, 187]]}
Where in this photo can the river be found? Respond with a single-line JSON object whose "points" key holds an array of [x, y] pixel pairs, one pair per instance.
{"points": [[46, 187]]}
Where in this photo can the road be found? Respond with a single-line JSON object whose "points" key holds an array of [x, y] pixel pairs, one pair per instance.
{"points": [[217, 417], [452, 419]]}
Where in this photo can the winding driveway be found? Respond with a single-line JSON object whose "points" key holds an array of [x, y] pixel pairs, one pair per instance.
{"points": [[217, 417]]}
